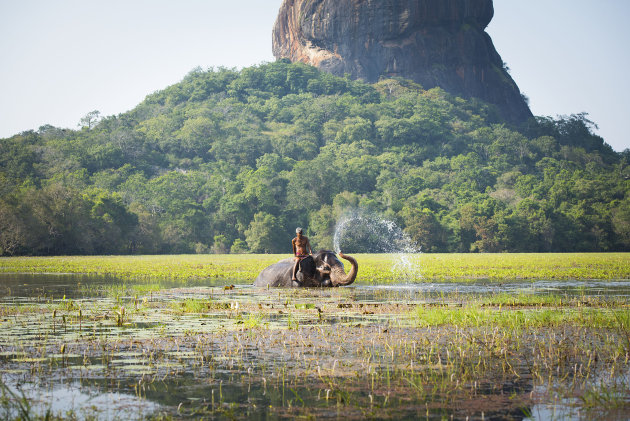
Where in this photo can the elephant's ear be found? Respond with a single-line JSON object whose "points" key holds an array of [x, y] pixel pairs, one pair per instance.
{"points": [[307, 266]]}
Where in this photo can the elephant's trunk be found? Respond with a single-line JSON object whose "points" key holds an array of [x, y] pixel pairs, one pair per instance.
{"points": [[339, 278]]}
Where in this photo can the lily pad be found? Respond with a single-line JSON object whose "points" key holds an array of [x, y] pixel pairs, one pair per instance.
{"points": [[29, 360]]}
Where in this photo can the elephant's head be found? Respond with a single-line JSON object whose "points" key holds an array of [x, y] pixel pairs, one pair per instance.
{"points": [[330, 270]]}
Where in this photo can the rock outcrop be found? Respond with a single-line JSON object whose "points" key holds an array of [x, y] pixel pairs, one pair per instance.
{"points": [[433, 42]]}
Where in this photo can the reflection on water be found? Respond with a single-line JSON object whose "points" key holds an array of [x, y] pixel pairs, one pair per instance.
{"points": [[481, 288], [50, 286], [47, 285], [74, 401], [76, 286]]}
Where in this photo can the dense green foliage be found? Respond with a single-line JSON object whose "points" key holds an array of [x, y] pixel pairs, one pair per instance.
{"points": [[233, 161]]}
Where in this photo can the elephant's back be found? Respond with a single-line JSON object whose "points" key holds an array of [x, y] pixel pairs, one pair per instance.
{"points": [[274, 275]]}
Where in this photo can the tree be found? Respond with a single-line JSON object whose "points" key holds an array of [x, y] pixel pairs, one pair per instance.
{"points": [[90, 119], [220, 244], [425, 229], [621, 223], [18, 232], [114, 225], [227, 156], [239, 247], [265, 235]]}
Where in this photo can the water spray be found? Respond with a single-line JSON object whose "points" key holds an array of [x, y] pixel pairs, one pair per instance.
{"points": [[379, 235]]}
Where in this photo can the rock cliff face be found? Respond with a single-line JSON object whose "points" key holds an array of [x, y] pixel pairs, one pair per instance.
{"points": [[433, 42]]}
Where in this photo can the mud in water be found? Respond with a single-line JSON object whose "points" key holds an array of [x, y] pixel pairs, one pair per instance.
{"points": [[429, 351]]}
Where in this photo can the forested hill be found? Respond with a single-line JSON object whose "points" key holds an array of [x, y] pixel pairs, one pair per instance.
{"points": [[233, 161]]}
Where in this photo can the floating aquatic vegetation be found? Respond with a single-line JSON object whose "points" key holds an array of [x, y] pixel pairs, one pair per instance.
{"points": [[126, 275]]}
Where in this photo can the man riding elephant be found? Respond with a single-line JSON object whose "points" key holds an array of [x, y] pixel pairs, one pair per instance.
{"points": [[307, 269], [321, 269], [301, 249]]}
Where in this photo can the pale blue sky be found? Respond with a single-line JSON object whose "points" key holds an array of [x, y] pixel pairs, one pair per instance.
{"points": [[63, 58]]}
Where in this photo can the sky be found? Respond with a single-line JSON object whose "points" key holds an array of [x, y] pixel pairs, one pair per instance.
{"points": [[61, 59]]}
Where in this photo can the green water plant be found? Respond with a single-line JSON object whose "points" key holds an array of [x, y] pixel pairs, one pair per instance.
{"points": [[153, 272], [382, 355], [475, 315]]}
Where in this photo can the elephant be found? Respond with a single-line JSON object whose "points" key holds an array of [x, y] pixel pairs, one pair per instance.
{"points": [[322, 269]]}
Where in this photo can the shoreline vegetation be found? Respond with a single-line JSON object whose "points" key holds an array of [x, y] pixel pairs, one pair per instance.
{"points": [[374, 268]]}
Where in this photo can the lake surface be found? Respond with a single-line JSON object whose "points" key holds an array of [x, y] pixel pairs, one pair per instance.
{"points": [[41, 286], [109, 348]]}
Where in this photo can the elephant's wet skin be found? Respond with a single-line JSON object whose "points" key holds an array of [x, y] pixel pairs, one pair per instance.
{"points": [[322, 269]]}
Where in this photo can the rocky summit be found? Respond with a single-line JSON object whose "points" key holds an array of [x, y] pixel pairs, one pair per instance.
{"points": [[433, 42]]}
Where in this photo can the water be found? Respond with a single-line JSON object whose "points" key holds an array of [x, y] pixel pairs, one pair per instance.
{"points": [[33, 288], [191, 364], [480, 288], [24, 287], [83, 402], [20, 286], [359, 231]]}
